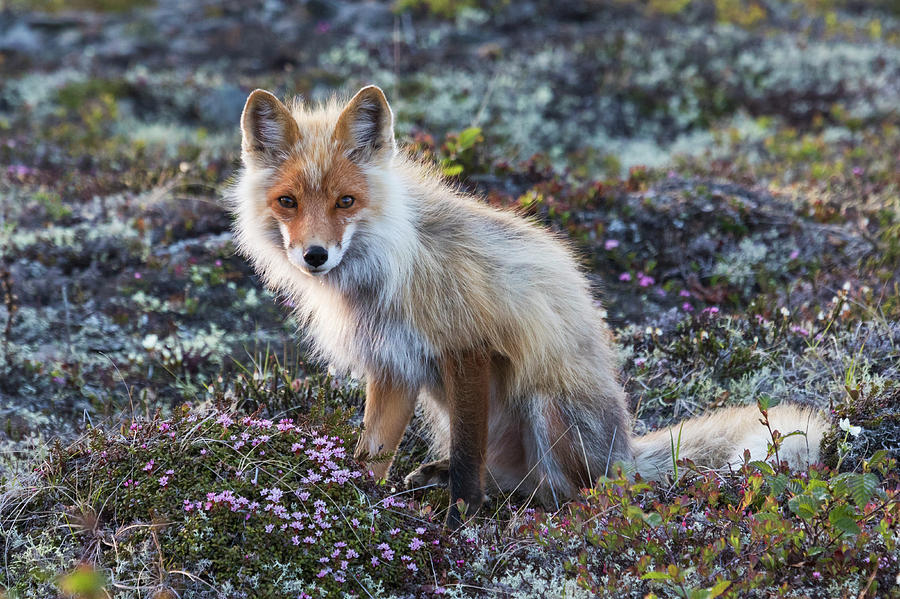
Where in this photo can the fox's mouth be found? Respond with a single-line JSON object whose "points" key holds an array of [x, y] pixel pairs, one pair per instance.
{"points": [[308, 269], [313, 271]]}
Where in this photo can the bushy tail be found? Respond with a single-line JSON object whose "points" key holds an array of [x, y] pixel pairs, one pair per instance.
{"points": [[719, 439]]}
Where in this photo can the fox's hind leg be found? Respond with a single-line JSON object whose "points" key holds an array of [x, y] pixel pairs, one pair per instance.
{"points": [[505, 458], [432, 473]]}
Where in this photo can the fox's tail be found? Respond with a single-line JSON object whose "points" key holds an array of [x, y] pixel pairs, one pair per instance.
{"points": [[719, 439]]}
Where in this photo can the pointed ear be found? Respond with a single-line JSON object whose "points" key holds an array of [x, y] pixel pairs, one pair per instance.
{"points": [[366, 126], [269, 131]]}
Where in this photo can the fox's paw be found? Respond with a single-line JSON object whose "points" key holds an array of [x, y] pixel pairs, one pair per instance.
{"points": [[432, 473]]}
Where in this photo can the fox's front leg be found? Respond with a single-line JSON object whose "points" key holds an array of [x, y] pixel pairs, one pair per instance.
{"points": [[389, 408], [466, 377]]}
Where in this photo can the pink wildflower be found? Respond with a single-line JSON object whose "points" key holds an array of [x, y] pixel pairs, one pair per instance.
{"points": [[799, 330]]}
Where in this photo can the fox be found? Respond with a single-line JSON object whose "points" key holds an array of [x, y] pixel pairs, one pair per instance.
{"points": [[478, 314]]}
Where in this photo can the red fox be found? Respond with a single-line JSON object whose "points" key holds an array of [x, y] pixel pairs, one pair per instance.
{"points": [[478, 313]]}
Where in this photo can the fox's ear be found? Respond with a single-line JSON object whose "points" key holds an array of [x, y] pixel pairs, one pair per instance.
{"points": [[269, 131], [366, 126]]}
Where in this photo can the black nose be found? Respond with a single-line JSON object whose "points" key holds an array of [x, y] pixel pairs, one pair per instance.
{"points": [[316, 256]]}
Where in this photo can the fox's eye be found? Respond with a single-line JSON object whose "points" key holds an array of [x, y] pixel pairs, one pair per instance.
{"points": [[345, 202], [287, 202]]}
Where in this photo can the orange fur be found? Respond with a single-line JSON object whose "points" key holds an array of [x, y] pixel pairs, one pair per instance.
{"points": [[389, 408], [316, 216]]}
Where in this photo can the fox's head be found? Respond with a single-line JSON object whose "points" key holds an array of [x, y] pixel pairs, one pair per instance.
{"points": [[313, 165]]}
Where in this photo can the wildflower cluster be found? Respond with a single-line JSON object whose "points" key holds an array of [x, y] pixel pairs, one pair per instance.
{"points": [[279, 509]]}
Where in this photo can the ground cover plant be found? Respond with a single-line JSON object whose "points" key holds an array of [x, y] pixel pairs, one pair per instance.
{"points": [[729, 172], [257, 506]]}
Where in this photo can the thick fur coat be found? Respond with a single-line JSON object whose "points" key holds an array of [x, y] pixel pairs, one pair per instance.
{"points": [[479, 313]]}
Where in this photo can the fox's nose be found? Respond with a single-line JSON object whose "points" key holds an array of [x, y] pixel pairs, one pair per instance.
{"points": [[316, 256]]}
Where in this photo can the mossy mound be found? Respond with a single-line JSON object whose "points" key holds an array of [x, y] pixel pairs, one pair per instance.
{"points": [[210, 503]]}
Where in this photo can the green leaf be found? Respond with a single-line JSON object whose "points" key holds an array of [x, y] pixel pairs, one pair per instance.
{"points": [[778, 483], [653, 519], [843, 518], [83, 582], [452, 169], [818, 489], [804, 506], [839, 485], [676, 449], [862, 488], [656, 576], [768, 517], [640, 487], [634, 512], [877, 459], [719, 588], [762, 467], [468, 137], [734, 538]]}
